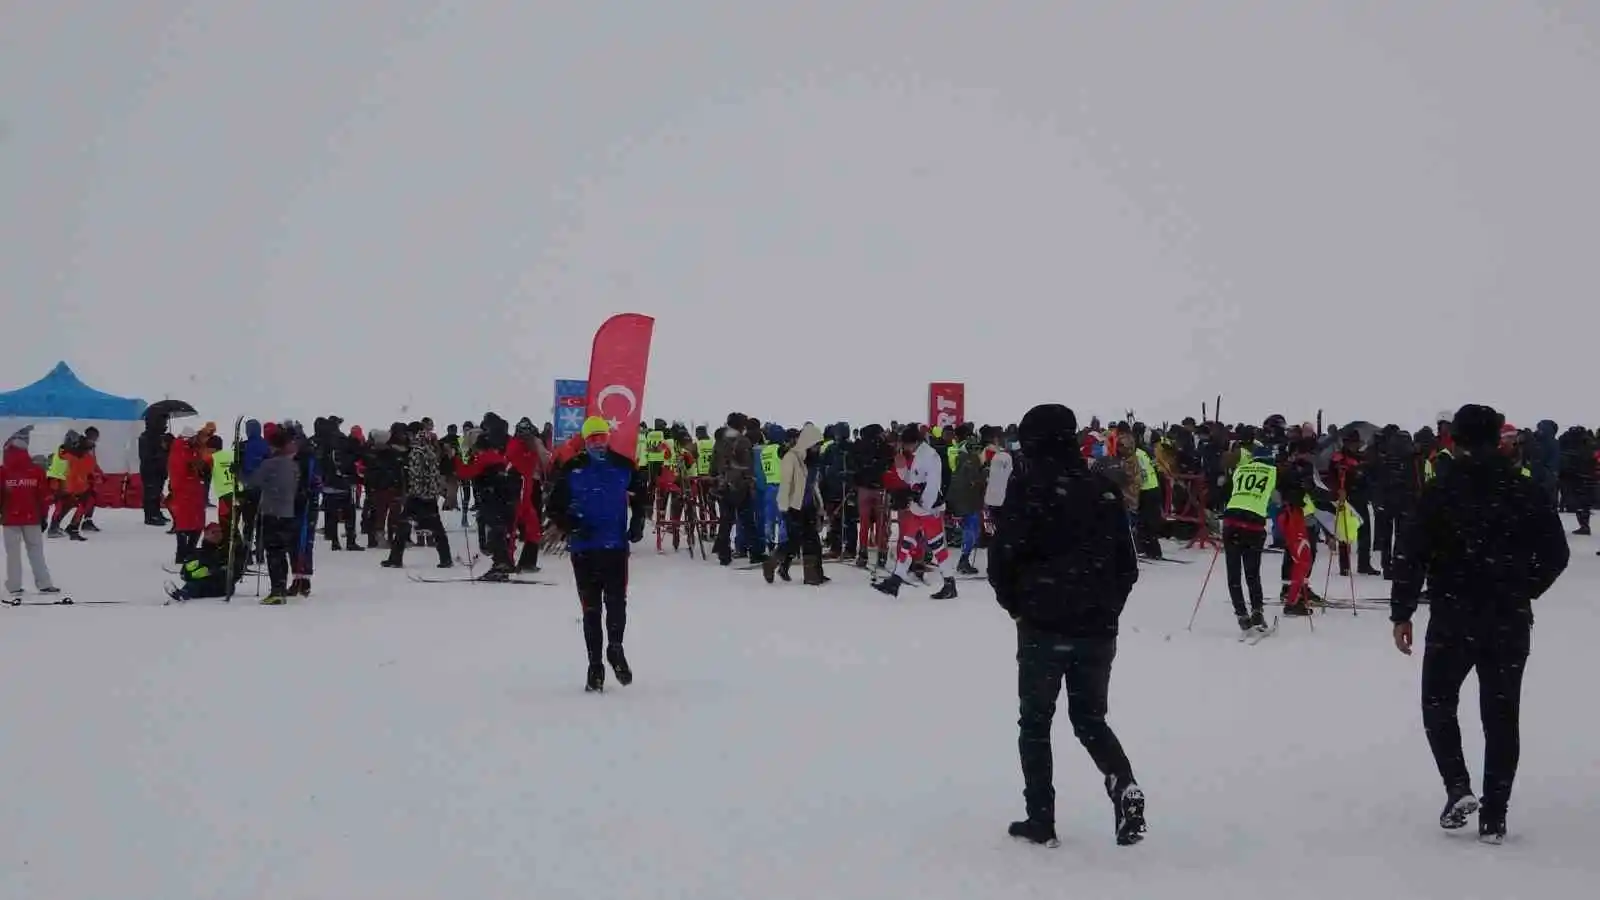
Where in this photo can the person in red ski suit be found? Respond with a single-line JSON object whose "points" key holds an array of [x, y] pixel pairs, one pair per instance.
{"points": [[24, 499], [186, 483], [527, 456]]}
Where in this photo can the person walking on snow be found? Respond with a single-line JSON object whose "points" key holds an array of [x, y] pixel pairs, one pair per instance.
{"points": [[928, 477], [23, 501], [1062, 565], [1488, 543], [800, 499], [594, 496]]}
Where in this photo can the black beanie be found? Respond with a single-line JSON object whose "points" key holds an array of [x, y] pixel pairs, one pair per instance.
{"points": [[1477, 426], [1048, 424]]}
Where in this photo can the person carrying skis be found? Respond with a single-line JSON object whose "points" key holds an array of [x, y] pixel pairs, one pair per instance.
{"points": [[24, 501], [928, 476], [600, 502], [1062, 565], [1488, 543]]}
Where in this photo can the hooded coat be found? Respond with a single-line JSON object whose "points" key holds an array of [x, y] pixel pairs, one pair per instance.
{"points": [[1062, 559], [255, 450], [22, 483], [184, 482], [796, 474]]}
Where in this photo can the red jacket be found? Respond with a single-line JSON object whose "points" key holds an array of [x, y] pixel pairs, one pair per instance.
{"points": [[22, 489]]}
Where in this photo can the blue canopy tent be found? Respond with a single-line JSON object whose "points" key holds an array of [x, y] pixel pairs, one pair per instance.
{"points": [[59, 402]]}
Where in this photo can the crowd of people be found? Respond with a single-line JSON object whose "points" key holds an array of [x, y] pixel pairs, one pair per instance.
{"points": [[1462, 514]]}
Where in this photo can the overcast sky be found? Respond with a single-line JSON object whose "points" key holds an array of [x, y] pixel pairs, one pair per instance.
{"points": [[300, 207]]}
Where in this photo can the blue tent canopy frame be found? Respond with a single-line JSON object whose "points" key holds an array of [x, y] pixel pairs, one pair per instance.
{"points": [[60, 395]]}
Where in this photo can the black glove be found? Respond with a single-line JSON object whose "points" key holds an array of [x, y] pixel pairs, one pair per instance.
{"points": [[636, 530]]}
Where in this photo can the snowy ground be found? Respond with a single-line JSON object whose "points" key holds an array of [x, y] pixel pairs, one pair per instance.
{"points": [[388, 740]]}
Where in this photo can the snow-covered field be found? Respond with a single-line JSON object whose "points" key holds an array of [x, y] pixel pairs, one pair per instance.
{"points": [[388, 740]]}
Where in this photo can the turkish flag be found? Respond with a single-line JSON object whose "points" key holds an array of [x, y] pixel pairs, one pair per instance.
{"points": [[618, 363], [947, 402]]}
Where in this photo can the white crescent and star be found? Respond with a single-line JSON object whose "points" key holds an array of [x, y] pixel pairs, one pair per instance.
{"points": [[617, 390]]}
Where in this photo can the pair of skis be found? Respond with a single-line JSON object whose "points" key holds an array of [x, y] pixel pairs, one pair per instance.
{"points": [[425, 579]]}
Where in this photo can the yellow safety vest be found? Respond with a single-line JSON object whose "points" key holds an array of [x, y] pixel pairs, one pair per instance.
{"points": [[194, 570], [58, 467], [952, 454], [1149, 480], [702, 464], [1253, 484], [771, 464], [222, 482], [652, 447]]}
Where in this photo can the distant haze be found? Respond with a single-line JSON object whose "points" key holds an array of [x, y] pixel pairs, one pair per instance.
{"points": [[298, 208]]}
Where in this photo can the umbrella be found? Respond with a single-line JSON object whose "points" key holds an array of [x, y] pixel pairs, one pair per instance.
{"points": [[170, 409], [1367, 430]]}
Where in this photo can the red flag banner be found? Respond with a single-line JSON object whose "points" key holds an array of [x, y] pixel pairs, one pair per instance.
{"points": [[618, 364], [947, 402]]}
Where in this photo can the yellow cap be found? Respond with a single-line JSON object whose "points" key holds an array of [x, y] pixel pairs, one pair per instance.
{"points": [[595, 425], [938, 431]]}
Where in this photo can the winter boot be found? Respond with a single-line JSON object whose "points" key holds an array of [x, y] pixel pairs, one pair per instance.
{"points": [[948, 592], [54, 532], [813, 571], [1127, 800], [1582, 531], [965, 566], [274, 599], [372, 540], [1491, 828], [769, 568], [1041, 833], [1258, 618], [72, 532], [389, 562], [89, 526], [1244, 623], [619, 664], [1459, 804], [861, 559], [785, 560], [596, 682], [528, 558], [889, 586]]}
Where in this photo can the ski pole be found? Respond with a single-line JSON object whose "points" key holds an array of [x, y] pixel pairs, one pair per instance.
{"points": [[1203, 585]]}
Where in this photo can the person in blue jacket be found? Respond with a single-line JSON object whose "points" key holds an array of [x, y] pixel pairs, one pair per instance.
{"points": [[599, 502]]}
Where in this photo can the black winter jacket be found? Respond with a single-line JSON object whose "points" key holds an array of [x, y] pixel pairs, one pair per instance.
{"points": [[1062, 559], [1488, 543]]}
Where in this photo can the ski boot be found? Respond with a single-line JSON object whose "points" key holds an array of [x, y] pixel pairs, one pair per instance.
{"points": [[1127, 800], [528, 558], [274, 599], [74, 534], [861, 560], [390, 562], [1459, 804], [1041, 833], [50, 590], [1258, 617], [619, 664], [965, 566], [1245, 625], [889, 586], [596, 682], [89, 526], [948, 592], [54, 532]]}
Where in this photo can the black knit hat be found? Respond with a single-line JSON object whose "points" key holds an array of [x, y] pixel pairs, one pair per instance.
{"points": [[1048, 424], [1477, 426]]}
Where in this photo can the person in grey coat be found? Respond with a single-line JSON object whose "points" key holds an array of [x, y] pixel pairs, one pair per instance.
{"points": [[278, 480]]}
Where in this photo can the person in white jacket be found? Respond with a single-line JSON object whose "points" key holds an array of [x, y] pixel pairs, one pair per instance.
{"points": [[927, 476], [800, 502]]}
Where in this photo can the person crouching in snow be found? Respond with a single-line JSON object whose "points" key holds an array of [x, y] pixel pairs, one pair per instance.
{"points": [[23, 501], [205, 572]]}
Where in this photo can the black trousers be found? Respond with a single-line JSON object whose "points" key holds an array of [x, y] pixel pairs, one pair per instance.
{"points": [[153, 480], [602, 579], [337, 509], [733, 508], [1500, 656], [1150, 524], [1388, 524], [1044, 662], [247, 512], [1241, 549], [279, 537], [419, 514], [800, 535]]}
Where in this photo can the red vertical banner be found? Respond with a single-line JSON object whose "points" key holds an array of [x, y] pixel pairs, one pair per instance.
{"points": [[618, 364], [947, 402]]}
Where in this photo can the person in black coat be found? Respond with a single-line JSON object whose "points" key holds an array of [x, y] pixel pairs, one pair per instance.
{"points": [[1488, 543], [154, 444], [1577, 475], [1062, 564]]}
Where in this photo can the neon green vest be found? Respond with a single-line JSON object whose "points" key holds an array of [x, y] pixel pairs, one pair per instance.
{"points": [[652, 447], [221, 478], [1527, 472], [194, 570], [952, 454], [58, 467], [1253, 484], [702, 464], [771, 464], [1149, 480], [1427, 469]]}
